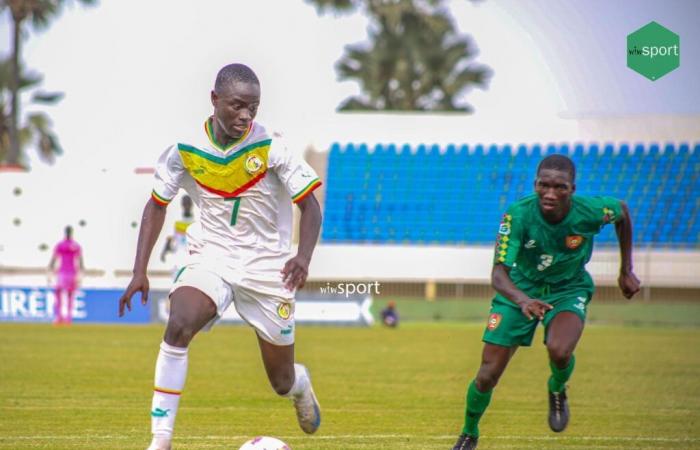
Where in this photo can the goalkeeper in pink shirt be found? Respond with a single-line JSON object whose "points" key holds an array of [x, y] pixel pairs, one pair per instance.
{"points": [[70, 263]]}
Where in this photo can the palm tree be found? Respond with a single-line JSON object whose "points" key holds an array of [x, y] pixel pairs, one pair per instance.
{"points": [[37, 127], [416, 60], [40, 13]]}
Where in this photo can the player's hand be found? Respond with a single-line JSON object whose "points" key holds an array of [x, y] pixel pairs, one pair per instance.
{"points": [[534, 308], [629, 284], [295, 272], [139, 282]]}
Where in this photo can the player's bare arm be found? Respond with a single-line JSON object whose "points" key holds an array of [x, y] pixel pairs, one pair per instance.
{"points": [[628, 281], [296, 269], [501, 282], [151, 224]]}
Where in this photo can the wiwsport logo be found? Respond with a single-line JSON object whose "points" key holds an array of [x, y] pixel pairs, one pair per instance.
{"points": [[653, 51]]}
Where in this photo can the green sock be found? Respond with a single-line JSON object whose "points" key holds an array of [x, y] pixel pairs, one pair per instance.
{"points": [[477, 402], [557, 382]]}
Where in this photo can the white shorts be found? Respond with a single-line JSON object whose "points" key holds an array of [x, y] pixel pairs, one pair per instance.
{"points": [[271, 316]]}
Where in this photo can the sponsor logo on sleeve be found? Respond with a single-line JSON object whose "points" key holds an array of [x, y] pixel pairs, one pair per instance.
{"points": [[608, 215]]}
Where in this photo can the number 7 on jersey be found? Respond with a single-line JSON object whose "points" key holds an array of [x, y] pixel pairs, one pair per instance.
{"points": [[234, 210]]}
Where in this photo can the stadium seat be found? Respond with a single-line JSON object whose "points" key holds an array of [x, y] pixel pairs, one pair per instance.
{"points": [[454, 197]]}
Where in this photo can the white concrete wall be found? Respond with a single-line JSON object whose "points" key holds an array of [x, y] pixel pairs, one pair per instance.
{"points": [[473, 264]]}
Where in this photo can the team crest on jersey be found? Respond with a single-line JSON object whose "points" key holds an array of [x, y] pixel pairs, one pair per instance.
{"points": [[573, 242], [284, 310], [494, 321], [253, 164]]}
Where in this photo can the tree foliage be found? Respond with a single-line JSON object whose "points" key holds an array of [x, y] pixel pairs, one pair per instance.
{"points": [[17, 134], [415, 60]]}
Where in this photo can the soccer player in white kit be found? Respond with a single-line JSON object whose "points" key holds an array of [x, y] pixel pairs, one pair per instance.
{"points": [[244, 182]]}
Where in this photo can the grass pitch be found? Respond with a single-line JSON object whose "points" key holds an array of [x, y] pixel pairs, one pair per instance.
{"points": [[89, 387]]}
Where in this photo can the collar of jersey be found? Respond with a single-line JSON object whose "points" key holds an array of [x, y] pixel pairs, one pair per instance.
{"points": [[209, 130]]}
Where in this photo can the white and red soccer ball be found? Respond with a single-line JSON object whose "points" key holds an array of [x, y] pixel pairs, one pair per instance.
{"points": [[265, 443]]}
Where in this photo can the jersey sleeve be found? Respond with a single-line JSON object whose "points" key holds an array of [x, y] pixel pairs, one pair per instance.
{"points": [[168, 176], [605, 210], [297, 176], [509, 238]]}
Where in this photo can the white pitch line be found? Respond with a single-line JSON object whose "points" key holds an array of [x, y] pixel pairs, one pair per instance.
{"points": [[378, 436]]}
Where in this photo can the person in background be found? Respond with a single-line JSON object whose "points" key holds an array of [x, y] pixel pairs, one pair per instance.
{"points": [[177, 243], [390, 317], [70, 265]]}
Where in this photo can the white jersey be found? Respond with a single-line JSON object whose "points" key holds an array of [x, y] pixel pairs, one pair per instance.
{"points": [[244, 193]]}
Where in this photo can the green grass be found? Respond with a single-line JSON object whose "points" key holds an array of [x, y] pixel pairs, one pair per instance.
{"points": [[89, 387]]}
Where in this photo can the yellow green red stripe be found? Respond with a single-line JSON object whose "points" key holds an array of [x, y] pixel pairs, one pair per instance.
{"points": [[159, 199], [209, 129], [166, 391], [301, 195], [223, 161], [241, 189]]}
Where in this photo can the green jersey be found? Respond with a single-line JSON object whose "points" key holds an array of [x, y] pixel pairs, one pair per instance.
{"points": [[551, 253]]}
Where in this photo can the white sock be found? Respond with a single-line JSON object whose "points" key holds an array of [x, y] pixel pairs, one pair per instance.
{"points": [[171, 371], [301, 382]]}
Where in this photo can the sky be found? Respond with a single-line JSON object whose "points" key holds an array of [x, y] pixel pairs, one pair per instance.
{"points": [[137, 74]]}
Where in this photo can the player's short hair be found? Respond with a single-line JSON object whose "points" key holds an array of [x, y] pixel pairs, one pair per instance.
{"points": [[68, 230], [558, 162], [232, 73]]}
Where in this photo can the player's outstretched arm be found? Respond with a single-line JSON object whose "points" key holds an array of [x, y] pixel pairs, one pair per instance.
{"points": [[628, 281], [501, 282], [151, 224], [296, 269]]}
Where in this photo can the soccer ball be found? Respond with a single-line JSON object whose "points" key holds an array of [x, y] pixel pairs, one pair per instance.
{"points": [[265, 443]]}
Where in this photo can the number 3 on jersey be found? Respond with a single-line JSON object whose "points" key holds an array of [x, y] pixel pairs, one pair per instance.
{"points": [[234, 209], [545, 261]]}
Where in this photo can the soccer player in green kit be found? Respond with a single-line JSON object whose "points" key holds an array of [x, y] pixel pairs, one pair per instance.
{"points": [[544, 242]]}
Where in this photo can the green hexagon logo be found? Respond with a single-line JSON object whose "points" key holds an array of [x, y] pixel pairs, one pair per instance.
{"points": [[653, 51]]}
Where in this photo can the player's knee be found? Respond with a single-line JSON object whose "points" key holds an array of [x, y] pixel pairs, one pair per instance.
{"points": [[179, 332], [559, 354], [486, 379]]}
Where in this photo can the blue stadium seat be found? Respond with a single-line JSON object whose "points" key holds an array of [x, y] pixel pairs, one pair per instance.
{"points": [[624, 151], [654, 150], [386, 196]]}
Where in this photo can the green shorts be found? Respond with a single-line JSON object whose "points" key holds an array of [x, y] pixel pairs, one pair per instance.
{"points": [[507, 325]]}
